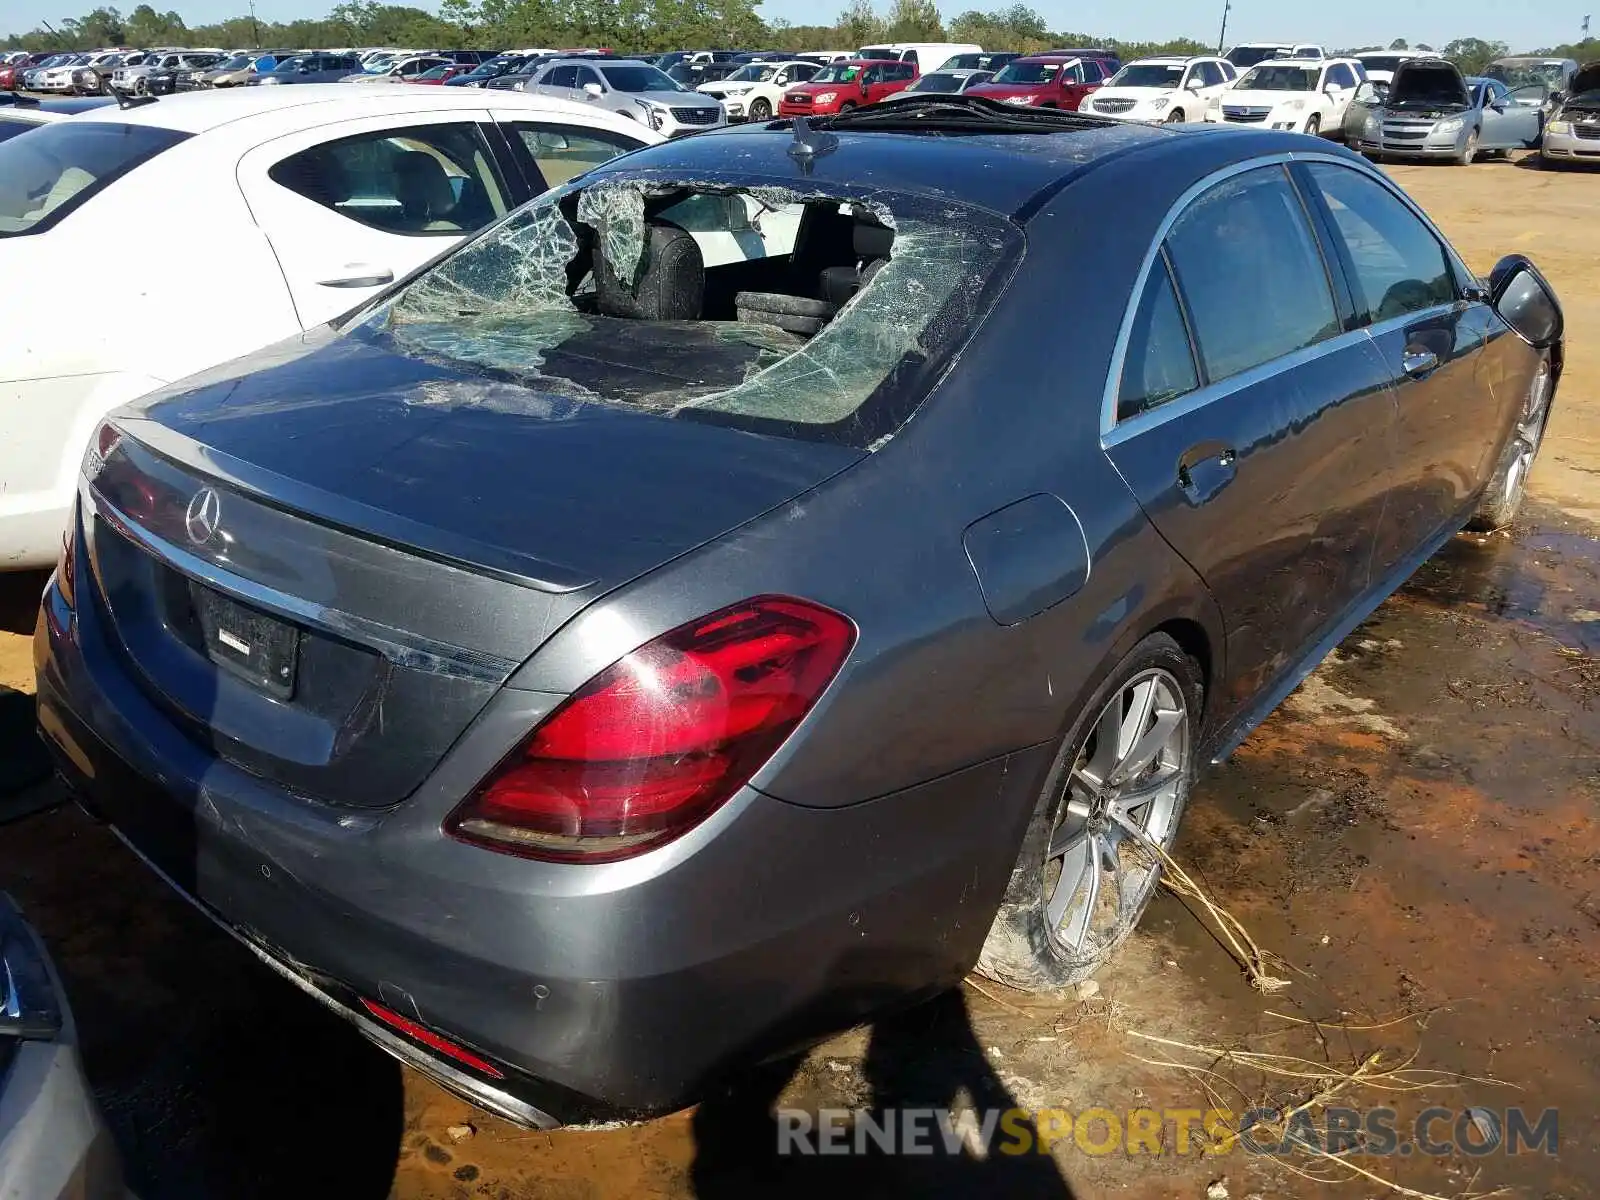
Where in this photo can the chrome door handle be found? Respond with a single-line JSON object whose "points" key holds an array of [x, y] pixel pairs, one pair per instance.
{"points": [[1418, 362]]}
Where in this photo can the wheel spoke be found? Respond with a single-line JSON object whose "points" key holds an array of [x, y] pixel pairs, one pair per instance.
{"points": [[1130, 798], [1148, 747], [1074, 866], [1106, 732], [1128, 733]]}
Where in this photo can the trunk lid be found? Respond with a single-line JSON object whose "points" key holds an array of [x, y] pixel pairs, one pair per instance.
{"points": [[394, 537]]}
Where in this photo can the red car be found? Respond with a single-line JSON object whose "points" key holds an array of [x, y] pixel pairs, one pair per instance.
{"points": [[439, 74], [842, 86], [1045, 80]]}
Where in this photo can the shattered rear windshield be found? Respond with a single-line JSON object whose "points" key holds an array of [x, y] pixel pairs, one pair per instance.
{"points": [[779, 310]]}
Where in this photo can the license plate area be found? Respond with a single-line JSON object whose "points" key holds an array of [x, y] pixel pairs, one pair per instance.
{"points": [[262, 650]]}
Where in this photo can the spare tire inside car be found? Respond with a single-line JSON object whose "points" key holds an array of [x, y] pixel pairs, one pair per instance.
{"points": [[797, 314]]}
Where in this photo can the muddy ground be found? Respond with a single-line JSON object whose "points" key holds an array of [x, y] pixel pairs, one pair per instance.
{"points": [[1414, 835]]}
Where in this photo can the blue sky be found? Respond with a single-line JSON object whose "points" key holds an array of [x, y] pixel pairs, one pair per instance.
{"points": [[1523, 24]]}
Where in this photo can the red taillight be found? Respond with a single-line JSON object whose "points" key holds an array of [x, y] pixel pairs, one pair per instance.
{"points": [[656, 741], [431, 1039]]}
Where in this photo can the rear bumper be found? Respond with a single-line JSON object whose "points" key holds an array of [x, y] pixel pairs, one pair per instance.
{"points": [[597, 991]]}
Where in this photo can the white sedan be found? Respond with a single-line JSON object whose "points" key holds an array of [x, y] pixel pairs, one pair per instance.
{"points": [[1170, 90], [1303, 95], [316, 197], [753, 91]]}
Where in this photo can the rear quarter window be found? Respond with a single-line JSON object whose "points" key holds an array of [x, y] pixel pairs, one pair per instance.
{"points": [[59, 166]]}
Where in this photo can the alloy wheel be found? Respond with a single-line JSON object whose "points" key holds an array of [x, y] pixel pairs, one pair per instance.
{"points": [[760, 110], [1126, 789], [1530, 430]]}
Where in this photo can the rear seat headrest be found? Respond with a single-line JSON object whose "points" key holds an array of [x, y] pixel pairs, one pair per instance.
{"points": [[872, 240]]}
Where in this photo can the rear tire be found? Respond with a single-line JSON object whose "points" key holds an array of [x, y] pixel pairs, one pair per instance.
{"points": [[1082, 879], [1502, 499]]}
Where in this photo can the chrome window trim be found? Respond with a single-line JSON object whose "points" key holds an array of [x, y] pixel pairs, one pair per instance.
{"points": [[1112, 432]]}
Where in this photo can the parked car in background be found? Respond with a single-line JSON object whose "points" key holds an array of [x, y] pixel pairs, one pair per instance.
{"points": [[135, 77], [649, 585], [54, 1145], [187, 75], [826, 56], [924, 55], [29, 74], [1174, 90], [1572, 134], [986, 60], [631, 89], [495, 68], [755, 90], [1046, 81], [1523, 70], [1379, 65], [1287, 94], [1430, 111], [1308, 50], [440, 74], [239, 70], [309, 68], [1247, 54], [58, 78], [941, 83], [400, 70], [320, 204], [843, 86]]}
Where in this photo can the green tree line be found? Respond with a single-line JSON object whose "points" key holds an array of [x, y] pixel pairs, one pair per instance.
{"points": [[634, 25]]}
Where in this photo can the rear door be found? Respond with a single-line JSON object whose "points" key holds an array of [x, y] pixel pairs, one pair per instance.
{"points": [[1253, 424], [1409, 288], [352, 207]]}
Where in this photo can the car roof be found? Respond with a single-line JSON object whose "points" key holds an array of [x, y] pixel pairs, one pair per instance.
{"points": [[320, 103], [1010, 174]]}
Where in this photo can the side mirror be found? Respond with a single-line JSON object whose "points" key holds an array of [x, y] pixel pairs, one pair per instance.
{"points": [[593, 90], [1525, 301]]}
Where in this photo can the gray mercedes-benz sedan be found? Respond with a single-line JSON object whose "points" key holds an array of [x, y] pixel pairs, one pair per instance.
{"points": [[742, 591]]}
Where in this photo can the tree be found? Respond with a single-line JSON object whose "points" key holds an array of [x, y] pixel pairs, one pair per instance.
{"points": [[1472, 55], [1399, 44], [915, 21], [1015, 28], [858, 24]]}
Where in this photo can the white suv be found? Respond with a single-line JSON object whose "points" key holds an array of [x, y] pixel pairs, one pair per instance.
{"points": [[1302, 95], [1166, 90]]}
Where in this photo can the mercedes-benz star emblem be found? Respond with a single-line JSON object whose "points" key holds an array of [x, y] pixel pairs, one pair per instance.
{"points": [[204, 517]]}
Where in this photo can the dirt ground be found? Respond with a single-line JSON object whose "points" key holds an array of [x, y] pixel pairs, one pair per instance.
{"points": [[1413, 836]]}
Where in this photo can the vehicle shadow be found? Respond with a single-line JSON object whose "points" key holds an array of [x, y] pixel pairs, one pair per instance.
{"points": [[24, 765], [216, 1078], [922, 1059]]}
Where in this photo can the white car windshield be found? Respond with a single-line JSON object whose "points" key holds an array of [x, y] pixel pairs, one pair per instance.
{"points": [[1148, 75], [754, 73], [58, 166], [1279, 79]]}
